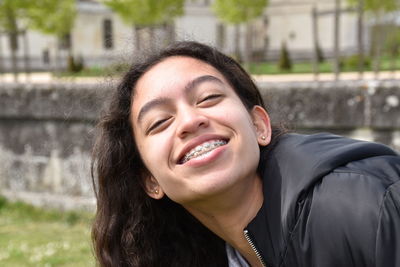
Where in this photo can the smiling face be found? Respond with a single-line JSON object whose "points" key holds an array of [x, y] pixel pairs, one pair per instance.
{"points": [[193, 133]]}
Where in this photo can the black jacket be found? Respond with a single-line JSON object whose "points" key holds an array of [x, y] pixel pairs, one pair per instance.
{"points": [[329, 201]]}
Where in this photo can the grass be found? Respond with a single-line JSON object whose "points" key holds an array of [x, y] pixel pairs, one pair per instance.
{"points": [[31, 236], [325, 67], [96, 71], [300, 67], [270, 68]]}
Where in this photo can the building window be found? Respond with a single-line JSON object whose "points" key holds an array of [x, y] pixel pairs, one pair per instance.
{"points": [[107, 34], [65, 42], [46, 56]]}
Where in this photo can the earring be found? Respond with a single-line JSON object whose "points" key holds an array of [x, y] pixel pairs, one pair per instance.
{"points": [[156, 191], [263, 137]]}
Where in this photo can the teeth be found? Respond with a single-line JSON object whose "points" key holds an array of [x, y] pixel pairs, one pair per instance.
{"points": [[202, 149]]}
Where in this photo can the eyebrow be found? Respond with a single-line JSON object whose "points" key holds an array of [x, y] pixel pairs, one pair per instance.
{"points": [[164, 100]]}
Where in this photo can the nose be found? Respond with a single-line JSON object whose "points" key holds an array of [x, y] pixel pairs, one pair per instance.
{"points": [[190, 121]]}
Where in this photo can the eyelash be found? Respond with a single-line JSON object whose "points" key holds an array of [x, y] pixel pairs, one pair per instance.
{"points": [[156, 124], [209, 97]]}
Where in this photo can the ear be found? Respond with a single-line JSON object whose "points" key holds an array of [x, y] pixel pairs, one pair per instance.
{"points": [[262, 125], [152, 187]]}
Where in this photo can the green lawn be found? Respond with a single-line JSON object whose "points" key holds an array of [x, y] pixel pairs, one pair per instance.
{"points": [[35, 237], [348, 65], [301, 67]]}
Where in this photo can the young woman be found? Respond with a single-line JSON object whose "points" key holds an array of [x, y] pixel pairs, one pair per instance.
{"points": [[190, 172]]}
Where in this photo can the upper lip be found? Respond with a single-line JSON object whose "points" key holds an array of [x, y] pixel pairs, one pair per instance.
{"points": [[197, 141]]}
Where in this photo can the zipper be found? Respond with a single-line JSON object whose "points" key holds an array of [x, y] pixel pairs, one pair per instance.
{"points": [[251, 243]]}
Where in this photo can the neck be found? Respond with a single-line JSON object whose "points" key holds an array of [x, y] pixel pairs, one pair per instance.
{"points": [[230, 212]]}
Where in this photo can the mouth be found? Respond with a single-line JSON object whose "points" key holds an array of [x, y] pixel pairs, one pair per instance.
{"points": [[202, 150]]}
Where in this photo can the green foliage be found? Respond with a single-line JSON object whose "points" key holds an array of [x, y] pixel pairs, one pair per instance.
{"points": [[3, 202], [52, 17], [121, 67], [11, 11], [48, 16], [146, 12], [285, 62], [72, 218], [239, 11], [320, 55], [377, 5], [352, 62], [75, 65], [392, 42]]}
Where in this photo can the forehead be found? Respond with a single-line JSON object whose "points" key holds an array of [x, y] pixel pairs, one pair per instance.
{"points": [[173, 72]]}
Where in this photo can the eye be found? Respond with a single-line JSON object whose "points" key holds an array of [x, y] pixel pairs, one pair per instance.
{"points": [[157, 125], [210, 97]]}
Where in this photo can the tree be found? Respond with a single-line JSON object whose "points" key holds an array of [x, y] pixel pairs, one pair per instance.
{"points": [[54, 18], [47, 16], [10, 12], [237, 12], [146, 14], [317, 55], [392, 46], [378, 8], [336, 45], [360, 37], [285, 62]]}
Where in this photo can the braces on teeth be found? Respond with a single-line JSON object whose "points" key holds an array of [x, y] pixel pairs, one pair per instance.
{"points": [[202, 149]]}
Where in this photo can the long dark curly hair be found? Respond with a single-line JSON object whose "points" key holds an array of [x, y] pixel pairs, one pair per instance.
{"points": [[131, 228]]}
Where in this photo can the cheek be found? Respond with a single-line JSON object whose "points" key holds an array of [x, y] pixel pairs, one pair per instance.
{"points": [[155, 153], [245, 122]]}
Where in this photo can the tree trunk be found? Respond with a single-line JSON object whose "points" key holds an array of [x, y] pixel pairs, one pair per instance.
{"points": [[336, 49], [220, 36], [170, 32], [379, 37], [393, 48], [13, 38], [248, 45], [393, 60], [360, 38], [136, 34], [1, 58], [57, 55], [237, 43], [152, 38], [26, 57], [314, 16]]}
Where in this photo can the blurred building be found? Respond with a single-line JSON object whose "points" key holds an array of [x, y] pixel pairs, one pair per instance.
{"points": [[292, 21], [100, 37]]}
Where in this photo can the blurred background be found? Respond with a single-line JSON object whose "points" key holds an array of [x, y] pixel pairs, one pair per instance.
{"points": [[327, 65]]}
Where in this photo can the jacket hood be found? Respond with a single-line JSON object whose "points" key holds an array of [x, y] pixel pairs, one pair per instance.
{"points": [[289, 170]]}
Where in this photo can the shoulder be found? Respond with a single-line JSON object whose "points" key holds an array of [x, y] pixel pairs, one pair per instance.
{"points": [[355, 193], [332, 193], [342, 202], [303, 164], [345, 211]]}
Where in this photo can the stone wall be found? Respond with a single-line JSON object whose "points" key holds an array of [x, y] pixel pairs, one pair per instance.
{"points": [[46, 131], [46, 134], [367, 110]]}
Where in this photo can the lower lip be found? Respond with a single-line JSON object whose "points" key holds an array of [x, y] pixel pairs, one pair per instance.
{"points": [[209, 157]]}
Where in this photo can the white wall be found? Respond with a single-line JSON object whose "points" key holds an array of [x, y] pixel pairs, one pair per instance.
{"points": [[293, 24]]}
